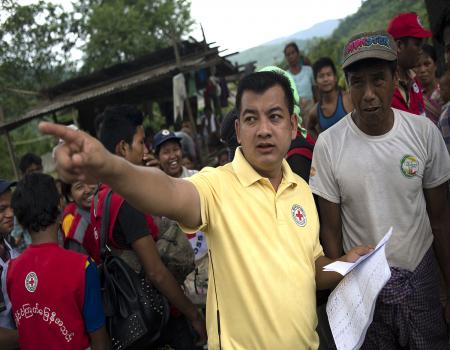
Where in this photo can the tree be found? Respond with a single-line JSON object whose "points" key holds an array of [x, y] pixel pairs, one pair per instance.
{"points": [[35, 45], [372, 15], [116, 31]]}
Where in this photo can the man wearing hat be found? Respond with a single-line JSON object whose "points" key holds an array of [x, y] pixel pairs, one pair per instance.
{"points": [[381, 167], [6, 254], [409, 34], [168, 151]]}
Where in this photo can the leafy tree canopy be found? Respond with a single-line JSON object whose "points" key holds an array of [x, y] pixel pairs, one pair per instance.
{"points": [[121, 30], [372, 15]]}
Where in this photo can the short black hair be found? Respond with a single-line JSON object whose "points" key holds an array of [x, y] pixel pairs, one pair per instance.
{"points": [[392, 65], [27, 160], [119, 123], [65, 191], [293, 45], [323, 62], [430, 51], [260, 82], [35, 202]]}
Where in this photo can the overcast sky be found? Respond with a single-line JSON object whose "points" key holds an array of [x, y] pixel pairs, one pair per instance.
{"points": [[240, 24], [237, 25]]}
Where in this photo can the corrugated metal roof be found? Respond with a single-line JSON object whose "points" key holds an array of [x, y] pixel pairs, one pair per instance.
{"points": [[120, 84]]}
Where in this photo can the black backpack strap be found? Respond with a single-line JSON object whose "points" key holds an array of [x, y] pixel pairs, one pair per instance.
{"points": [[104, 227]]}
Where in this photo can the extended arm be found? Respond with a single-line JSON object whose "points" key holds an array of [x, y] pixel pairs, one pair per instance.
{"points": [[83, 157]]}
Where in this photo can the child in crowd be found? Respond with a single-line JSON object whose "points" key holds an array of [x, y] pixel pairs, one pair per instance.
{"points": [[55, 293], [76, 224]]}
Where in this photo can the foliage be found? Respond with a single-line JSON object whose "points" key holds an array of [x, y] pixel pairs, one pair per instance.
{"points": [[121, 30], [266, 55], [372, 15], [35, 44]]}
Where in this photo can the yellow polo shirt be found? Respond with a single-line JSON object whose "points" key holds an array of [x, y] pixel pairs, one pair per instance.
{"points": [[263, 245]]}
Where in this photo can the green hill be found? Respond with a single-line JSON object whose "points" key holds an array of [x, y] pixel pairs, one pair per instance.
{"points": [[372, 15], [265, 55]]}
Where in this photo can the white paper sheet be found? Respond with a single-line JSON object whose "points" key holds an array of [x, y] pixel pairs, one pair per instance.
{"points": [[345, 267], [351, 305]]}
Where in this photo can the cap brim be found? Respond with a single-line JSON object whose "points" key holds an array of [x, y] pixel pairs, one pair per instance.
{"points": [[358, 56], [423, 34], [173, 138], [7, 185]]}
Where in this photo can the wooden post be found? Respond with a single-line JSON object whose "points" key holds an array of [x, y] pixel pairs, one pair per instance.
{"points": [[12, 155], [188, 104]]}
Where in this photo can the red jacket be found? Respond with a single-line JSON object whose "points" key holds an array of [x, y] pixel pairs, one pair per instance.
{"points": [[416, 103], [115, 204], [46, 288], [82, 231]]}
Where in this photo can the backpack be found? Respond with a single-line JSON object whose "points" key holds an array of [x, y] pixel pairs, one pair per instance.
{"points": [[175, 250], [135, 310]]}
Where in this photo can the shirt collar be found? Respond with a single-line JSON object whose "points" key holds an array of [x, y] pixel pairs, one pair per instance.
{"points": [[247, 175]]}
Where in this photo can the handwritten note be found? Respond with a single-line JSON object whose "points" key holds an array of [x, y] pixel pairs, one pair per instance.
{"points": [[351, 305]]}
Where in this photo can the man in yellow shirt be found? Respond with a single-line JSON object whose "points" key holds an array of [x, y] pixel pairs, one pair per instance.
{"points": [[259, 218]]}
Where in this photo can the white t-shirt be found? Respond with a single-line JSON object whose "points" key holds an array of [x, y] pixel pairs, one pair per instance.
{"points": [[304, 82], [379, 182]]}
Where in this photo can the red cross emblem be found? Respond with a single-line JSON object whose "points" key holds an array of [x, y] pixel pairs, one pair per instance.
{"points": [[298, 215], [31, 281]]}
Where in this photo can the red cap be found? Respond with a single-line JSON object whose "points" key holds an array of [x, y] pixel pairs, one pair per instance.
{"points": [[407, 24]]}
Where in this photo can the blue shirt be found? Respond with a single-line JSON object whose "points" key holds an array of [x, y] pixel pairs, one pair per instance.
{"points": [[93, 313]]}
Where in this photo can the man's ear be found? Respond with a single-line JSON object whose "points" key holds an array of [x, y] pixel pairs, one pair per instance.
{"points": [[237, 129], [294, 126], [122, 148]]}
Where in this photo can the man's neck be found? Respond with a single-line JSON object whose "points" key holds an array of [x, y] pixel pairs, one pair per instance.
{"points": [[329, 97], [47, 235], [274, 177], [383, 126], [295, 69]]}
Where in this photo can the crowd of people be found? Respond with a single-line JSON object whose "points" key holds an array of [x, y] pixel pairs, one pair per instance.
{"points": [[312, 173]]}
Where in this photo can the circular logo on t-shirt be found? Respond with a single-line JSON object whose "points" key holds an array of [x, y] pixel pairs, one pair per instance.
{"points": [[31, 282], [298, 214], [409, 166], [415, 88]]}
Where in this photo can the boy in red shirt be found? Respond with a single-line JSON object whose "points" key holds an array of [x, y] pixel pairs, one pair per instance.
{"points": [[55, 293]]}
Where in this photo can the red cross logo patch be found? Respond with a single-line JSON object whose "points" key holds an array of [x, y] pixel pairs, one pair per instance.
{"points": [[31, 282], [298, 215]]}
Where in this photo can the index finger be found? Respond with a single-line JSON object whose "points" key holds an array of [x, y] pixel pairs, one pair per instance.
{"points": [[58, 130]]}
